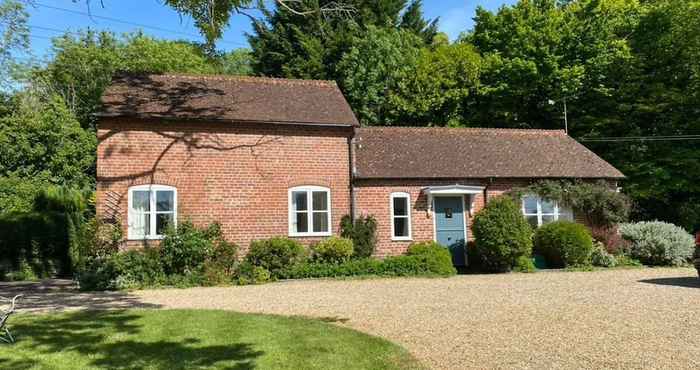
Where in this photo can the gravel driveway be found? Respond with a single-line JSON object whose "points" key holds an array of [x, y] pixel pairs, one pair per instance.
{"points": [[644, 318]]}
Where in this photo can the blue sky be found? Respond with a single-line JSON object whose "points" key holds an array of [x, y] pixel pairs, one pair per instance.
{"points": [[46, 21]]}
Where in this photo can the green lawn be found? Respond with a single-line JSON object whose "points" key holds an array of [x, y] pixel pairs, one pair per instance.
{"points": [[191, 339]]}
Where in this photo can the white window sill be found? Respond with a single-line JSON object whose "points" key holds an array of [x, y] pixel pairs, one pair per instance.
{"points": [[402, 239], [136, 239], [303, 235]]}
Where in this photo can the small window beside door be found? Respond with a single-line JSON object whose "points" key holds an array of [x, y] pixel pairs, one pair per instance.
{"points": [[539, 211], [400, 216]]}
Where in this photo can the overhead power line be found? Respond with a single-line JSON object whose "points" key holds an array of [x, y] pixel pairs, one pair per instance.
{"points": [[642, 138], [122, 21]]}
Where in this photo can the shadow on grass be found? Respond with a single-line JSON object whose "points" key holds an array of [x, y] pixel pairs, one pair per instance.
{"points": [[685, 281], [112, 339]]}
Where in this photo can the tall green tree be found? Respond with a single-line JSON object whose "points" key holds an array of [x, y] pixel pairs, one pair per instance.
{"points": [[83, 65], [287, 44], [439, 87], [41, 143], [14, 38], [371, 71]]}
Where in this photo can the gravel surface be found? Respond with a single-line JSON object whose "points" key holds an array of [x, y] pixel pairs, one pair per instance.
{"points": [[642, 318]]}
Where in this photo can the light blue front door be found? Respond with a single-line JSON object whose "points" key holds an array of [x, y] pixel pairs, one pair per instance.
{"points": [[449, 226]]}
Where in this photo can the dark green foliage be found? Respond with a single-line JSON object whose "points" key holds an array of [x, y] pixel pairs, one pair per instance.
{"points": [[564, 244], [250, 274], [291, 45], [362, 232], [128, 270], [185, 249], [276, 254], [434, 256], [601, 205], [332, 250], [46, 239], [502, 234], [221, 267], [187, 256]]}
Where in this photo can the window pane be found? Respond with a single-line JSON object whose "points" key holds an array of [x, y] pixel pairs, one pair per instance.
{"points": [[320, 201], [547, 218], [301, 222], [532, 220], [566, 214], [547, 206], [165, 200], [140, 201], [140, 225], [530, 205], [162, 221], [400, 206], [400, 226], [320, 222], [299, 201]]}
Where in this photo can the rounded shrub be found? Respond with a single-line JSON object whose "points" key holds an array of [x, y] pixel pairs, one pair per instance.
{"points": [[435, 257], [502, 234], [659, 243], [276, 254], [564, 243], [333, 250]]}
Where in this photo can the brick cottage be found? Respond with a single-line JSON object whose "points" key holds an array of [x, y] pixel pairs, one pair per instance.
{"points": [[267, 157]]}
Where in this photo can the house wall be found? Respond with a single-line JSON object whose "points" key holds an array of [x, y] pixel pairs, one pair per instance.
{"points": [[235, 174], [372, 198]]}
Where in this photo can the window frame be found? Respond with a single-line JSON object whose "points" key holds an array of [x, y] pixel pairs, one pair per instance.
{"points": [[309, 189], [557, 213], [402, 195], [152, 189]]}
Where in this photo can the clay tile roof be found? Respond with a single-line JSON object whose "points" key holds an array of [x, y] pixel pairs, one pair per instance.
{"points": [[408, 152], [226, 98]]}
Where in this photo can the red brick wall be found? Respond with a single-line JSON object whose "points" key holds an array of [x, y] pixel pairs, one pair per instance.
{"points": [[236, 174], [372, 198]]}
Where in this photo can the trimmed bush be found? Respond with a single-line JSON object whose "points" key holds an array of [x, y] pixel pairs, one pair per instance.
{"points": [[333, 250], [564, 244], [423, 259], [434, 256], [502, 234], [354, 267], [276, 254], [601, 257], [659, 243], [362, 232]]}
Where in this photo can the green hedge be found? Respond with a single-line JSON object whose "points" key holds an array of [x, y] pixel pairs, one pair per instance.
{"points": [[40, 241], [423, 259], [564, 244]]}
